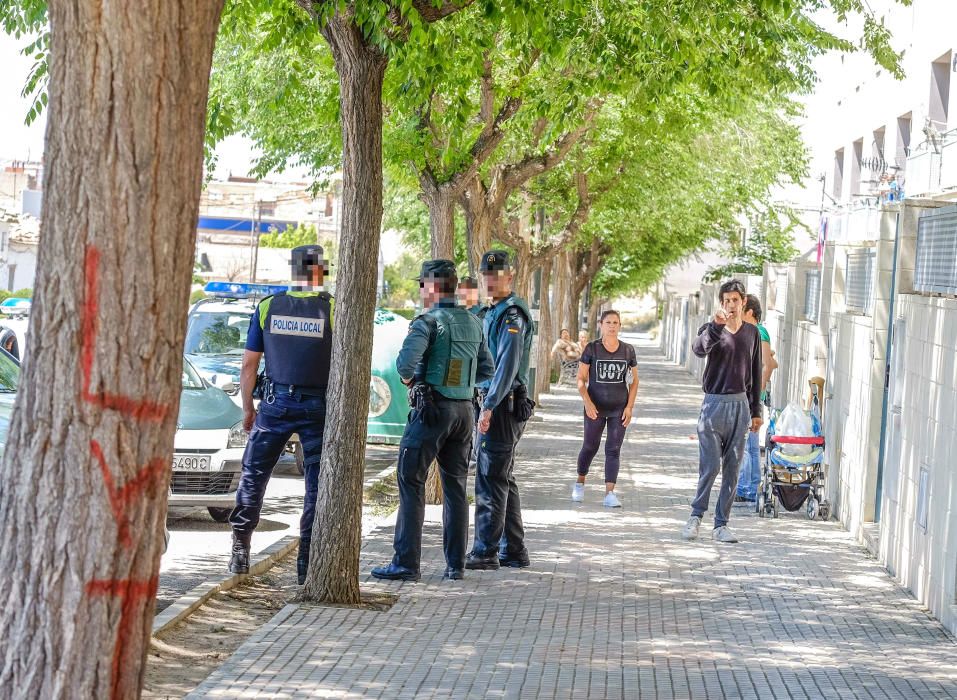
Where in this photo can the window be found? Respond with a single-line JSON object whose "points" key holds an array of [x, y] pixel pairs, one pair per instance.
{"points": [[936, 266], [858, 281], [812, 295], [856, 160], [939, 92], [903, 141], [838, 184]]}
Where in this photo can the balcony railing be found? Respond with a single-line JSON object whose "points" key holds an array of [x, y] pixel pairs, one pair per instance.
{"points": [[858, 221], [930, 172]]}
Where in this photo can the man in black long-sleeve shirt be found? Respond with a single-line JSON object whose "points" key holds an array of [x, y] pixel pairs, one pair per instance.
{"points": [[732, 405]]}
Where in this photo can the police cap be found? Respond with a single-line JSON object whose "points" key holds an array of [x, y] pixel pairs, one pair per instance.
{"points": [[438, 269], [495, 260], [306, 256]]}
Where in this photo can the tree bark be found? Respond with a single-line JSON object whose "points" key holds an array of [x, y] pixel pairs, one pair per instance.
{"points": [[478, 222], [441, 204], [334, 575], [573, 308], [593, 309], [87, 459], [546, 332], [559, 303]]}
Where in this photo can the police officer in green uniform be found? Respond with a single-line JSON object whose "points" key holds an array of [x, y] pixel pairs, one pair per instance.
{"points": [[294, 330], [468, 292], [442, 358], [499, 532]]}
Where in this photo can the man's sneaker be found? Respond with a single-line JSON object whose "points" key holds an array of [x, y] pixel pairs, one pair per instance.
{"points": [[239, 557], [723, 534], [691, 529], [578, 493], [487, 562], [611, 500]]}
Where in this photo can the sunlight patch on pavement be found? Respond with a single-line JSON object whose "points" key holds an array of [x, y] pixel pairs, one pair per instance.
{"points": [[700, 552], [878, 579], [656, 481]]}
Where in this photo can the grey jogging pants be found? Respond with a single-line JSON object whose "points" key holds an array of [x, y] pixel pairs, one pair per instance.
{"points": [[722, 429]]}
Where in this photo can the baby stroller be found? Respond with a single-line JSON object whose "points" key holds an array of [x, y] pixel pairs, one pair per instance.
{"points": [[792, 480]]}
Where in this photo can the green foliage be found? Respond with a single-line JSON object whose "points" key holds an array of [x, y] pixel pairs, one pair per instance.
{"points": [[402, 288], [770, 241], [294, 236], [404, 312], [25, 293], [5, 294], [196, 296]]}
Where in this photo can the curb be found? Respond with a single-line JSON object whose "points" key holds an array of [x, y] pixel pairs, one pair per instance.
{"points": [[187, 603], [195, 597]]}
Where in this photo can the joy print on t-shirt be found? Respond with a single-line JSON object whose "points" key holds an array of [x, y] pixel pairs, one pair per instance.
{"points": [[610, 371]]}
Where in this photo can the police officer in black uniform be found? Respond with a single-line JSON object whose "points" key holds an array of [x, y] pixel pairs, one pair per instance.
{"points": [[499, 532], [442, 358], [294, 330]]}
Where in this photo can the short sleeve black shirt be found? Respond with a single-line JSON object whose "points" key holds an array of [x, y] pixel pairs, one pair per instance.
{"points": [[608, 374]]}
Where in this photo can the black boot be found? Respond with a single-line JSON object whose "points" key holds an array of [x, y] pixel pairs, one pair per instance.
{"points": [[239, 559], [302, 561]]}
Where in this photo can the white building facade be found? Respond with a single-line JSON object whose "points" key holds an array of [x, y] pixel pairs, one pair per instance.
{"points": [[873, 310]]}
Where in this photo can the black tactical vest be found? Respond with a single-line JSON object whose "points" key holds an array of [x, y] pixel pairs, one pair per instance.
{"points": [[297, 337]]}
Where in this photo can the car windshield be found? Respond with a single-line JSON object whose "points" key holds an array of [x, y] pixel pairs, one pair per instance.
{"points": [[191, 378], [9, 374], [216, 333]]}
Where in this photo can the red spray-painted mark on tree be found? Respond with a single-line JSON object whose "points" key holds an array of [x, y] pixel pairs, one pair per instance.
{"points": [[137, 408], [134, 594], [121, 497]]}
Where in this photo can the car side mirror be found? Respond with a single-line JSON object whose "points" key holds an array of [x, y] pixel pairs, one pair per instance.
{"points": [[230, 388]]}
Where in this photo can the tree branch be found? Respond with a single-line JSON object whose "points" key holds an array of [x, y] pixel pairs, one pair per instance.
{"points": [[430, 13], [517, 174]]}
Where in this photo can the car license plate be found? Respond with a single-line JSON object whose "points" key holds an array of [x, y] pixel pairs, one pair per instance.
{"points": [[191, 463]]}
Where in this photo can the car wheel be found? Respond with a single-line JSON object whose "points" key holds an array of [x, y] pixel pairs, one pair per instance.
{"points": [[220, 515]]}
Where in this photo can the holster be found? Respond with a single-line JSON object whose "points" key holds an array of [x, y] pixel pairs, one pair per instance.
{"points": [[522, 407]]}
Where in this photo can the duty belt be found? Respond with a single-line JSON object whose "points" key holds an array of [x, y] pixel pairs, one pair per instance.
{"points": [[296, 389]]}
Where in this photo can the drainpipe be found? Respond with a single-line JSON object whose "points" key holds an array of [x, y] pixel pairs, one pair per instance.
{"points": [[882, 452]]}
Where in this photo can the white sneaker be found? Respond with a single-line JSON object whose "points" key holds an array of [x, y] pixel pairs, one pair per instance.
{"points": [[691, 529], [723, 534], [611, 500], [578, 493]]}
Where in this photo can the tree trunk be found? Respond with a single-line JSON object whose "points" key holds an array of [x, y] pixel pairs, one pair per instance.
{"points": [[87, 459], [572, 307], [593, 309], [546, 333], [523, 266], [478, 222], [334, 575], [559, 303], [441, 219]]}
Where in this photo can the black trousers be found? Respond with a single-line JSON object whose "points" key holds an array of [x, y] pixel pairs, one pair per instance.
{"points": [[448, 440], [498, 507]]}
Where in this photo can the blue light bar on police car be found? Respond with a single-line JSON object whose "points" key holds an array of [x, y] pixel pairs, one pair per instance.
{"points": [[237, 290]]}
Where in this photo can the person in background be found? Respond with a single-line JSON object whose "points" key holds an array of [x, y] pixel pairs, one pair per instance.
{"points": [[732, 402], [468, 294], [568, 354], [749, 475], [583, 340], [608, 384]]}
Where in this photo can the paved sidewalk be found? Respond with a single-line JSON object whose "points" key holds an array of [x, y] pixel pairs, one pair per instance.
{"points": [[615, 604]]}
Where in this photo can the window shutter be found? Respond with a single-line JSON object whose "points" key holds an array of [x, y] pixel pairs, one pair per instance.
{"points": [[859, 280], [936, 267], [812, 295]]}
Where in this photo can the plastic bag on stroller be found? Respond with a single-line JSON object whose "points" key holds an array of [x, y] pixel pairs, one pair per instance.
{"points": [[795, 422]]}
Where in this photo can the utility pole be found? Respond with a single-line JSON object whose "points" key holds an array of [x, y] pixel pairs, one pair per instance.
{"points": [[254, 241]]}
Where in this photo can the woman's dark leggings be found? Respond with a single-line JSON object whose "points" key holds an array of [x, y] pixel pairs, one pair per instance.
{"points": [[593, 432]]}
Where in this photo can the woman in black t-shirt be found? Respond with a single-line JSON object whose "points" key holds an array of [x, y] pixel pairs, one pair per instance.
{"points": [[608, 384]]}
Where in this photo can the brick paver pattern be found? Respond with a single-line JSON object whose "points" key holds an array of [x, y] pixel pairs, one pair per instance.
{"points": [[616, 604]]}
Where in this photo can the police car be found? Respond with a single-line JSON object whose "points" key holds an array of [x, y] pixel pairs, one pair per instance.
{"points": [[216, 339], [208, 447]]}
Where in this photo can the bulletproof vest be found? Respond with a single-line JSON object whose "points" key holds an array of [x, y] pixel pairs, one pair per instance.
{"points": [[452, 359], [297, 337], [492, 318]]}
